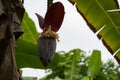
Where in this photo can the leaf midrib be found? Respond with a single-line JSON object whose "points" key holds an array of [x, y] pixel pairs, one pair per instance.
{"points": [[72, 67], [107, 15], [29, 31], [27, 55]]}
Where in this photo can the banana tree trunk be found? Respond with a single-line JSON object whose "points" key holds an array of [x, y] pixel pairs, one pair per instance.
{"points": [[11, 14]]}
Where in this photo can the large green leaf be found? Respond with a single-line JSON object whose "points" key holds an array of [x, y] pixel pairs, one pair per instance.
{"points": [[30, 32], [26, 46], [99, 18], [72, 65], [94, 64], [26, 55]]}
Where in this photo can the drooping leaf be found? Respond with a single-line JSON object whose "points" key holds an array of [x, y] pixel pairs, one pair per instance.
{"points": [[94, 64], [98, 17]]}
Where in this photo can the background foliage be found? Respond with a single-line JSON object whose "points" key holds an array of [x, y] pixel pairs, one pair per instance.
{"points": [[75, 65]]}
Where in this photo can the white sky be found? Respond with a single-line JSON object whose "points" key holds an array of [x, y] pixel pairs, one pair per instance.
{"points": [[74, 32]]}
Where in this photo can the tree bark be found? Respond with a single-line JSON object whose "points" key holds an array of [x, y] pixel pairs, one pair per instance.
{"points": [[11, 14]]}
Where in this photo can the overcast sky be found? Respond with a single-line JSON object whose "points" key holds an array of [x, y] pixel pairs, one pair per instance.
{"points": [[74, 32]]}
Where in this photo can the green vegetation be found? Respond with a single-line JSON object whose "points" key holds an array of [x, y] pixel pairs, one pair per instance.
{"points": [[29, 78], [75, 65]]}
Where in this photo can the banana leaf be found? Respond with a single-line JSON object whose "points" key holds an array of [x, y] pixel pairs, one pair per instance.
{"points": [[102, 18]]}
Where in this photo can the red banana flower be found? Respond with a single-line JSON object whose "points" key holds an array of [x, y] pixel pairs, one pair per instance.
{"points": [[50, 25]]}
